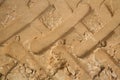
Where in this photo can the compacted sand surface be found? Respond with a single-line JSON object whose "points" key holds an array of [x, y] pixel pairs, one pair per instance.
{"points": [[59, 39]]}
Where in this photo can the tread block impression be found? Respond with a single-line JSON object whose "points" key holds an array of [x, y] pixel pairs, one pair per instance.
{"points": [[59, 40]]}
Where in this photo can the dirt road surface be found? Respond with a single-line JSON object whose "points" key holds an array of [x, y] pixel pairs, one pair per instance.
{"points": [[59, 39]]}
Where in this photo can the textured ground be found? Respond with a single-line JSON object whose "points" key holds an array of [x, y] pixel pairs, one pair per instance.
{"points": [[59, 39]]}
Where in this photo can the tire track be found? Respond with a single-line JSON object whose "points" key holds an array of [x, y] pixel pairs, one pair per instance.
{"points": [[38, 45], [105, 31], [21, 24]]}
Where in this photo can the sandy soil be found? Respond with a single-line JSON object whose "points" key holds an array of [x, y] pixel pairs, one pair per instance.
{"points": [[59, 39]]}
